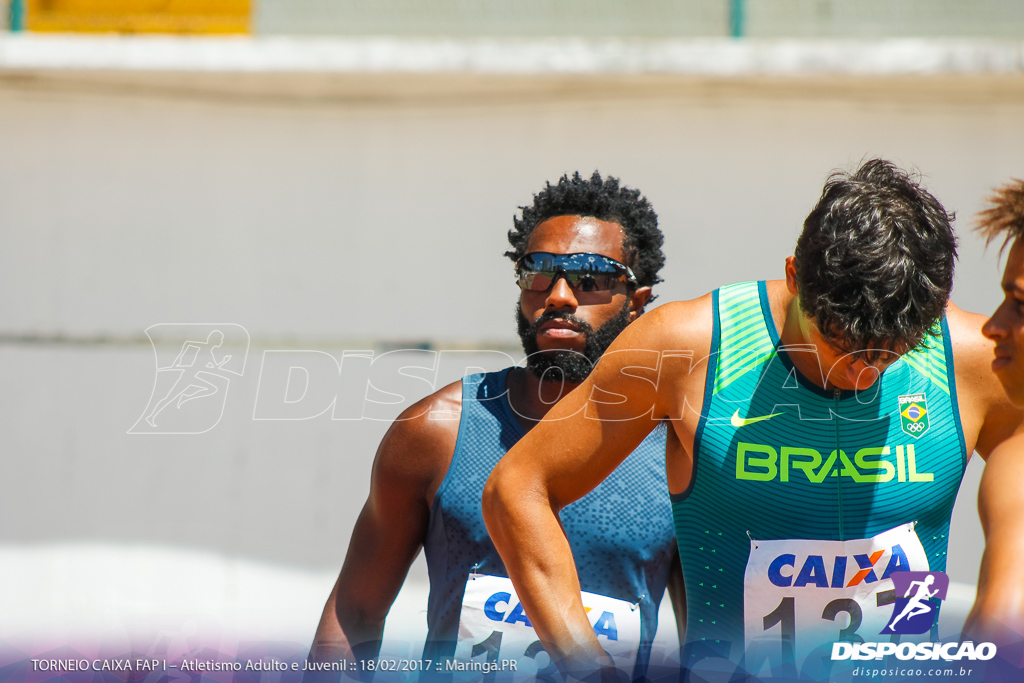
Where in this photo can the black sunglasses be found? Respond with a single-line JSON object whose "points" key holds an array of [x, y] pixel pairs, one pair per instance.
{"points": [[585, 272]]}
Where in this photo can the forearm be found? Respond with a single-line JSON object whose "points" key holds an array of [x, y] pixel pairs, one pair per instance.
{"points": [[345, 632], [352, 624], [677, 595], [527, 534], [998, 612]]}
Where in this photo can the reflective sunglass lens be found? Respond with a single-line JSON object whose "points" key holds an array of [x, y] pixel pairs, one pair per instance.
{"points": [[583, 272], [535, 282]]}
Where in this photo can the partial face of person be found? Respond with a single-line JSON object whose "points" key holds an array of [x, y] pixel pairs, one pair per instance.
{"points": [[850, 370], [570, 316], [1006, 328], [841, 369]]}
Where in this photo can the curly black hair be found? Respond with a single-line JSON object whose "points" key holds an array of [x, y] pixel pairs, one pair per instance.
{"points": [[874, 263], [603, 199]]}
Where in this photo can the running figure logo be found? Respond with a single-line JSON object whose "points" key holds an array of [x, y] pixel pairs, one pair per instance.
{"points": [[917, 596], [191, 386]]}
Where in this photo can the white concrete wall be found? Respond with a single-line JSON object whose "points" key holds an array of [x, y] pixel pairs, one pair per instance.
{"points": [[340, 211]]}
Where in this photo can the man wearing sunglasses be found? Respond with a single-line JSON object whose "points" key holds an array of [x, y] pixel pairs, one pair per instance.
{"points": [[586, 254], [819, 429]]}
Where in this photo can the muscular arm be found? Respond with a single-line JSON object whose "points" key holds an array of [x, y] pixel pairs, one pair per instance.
{"points": [[998, 613], [409, 466], [572, 450]]}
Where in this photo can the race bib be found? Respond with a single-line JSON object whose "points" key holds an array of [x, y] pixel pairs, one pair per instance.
{"points": [[495, 635], [800, 596]]}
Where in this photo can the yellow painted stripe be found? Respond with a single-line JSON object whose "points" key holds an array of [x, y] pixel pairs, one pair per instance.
{"points": [[140, 16]]}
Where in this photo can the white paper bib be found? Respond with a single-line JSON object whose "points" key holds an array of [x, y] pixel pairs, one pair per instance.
{"points": [[493, 628], [800, 595]]}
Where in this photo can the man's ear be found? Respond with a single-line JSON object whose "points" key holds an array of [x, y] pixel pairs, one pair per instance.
{"points": [[638, 300], [791, 275]]}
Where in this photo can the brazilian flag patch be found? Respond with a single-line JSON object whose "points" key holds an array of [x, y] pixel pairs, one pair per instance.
{"points": [[914, 414]]}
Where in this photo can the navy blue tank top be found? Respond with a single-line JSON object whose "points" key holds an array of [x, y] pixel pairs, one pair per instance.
{"points": [[621, 533]]}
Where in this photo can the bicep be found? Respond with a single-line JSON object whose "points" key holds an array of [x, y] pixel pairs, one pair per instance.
{"points": [[389, 531]]}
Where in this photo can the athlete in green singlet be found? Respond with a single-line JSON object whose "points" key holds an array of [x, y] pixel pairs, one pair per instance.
{"points": [[820, 426]]}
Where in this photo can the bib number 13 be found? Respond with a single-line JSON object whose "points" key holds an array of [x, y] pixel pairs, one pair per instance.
{"points": [[784, 616], [495, 634], [802, 595], [491, 647]]}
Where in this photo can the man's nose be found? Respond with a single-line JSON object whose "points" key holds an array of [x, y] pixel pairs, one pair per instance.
{"points": [[994, 328], [863, 376], [561, 296]]}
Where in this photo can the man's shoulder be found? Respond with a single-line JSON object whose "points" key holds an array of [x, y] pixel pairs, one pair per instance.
{"points": [[677, 324], [964, 325], [438, 415], [439, 409], [690, 324], [418, 446], [982, 401], [972, 352], [430, 424]]}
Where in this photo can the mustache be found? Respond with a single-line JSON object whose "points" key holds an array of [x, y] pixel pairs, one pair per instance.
{"points": [[548, 316]]}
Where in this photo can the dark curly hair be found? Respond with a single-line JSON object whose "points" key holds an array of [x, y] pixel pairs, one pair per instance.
{"points": [[1005, 213], [603, 199], [874, 263]]}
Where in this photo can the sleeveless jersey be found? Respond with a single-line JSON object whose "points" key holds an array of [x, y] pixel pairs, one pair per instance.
{"points": [[621, 533], [778, 457]]}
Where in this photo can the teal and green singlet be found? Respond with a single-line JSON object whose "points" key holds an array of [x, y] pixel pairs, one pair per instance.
{"points": [[778, 457]]}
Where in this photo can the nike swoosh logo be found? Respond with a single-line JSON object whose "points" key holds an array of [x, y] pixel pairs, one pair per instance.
{"points": [[737, 421]]}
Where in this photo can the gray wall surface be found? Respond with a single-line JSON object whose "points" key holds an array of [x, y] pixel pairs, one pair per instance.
{"points": [[643, 18], [376, 222]]}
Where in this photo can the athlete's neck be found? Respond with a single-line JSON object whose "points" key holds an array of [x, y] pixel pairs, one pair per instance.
{"points": [[795, 338], [530, 398]]}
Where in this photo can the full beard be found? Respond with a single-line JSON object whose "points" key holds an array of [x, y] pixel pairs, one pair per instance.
{"points": [[564, 365]]}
